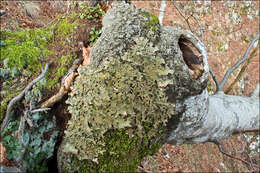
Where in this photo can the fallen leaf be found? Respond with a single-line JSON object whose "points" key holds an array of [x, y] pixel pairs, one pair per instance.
{"points": [[86, 55]]}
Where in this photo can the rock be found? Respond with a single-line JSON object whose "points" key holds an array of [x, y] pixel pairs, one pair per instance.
{"points": [[32, 9]]}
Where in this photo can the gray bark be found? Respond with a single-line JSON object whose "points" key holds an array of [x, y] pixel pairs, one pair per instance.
{"points": [[212, 118]]}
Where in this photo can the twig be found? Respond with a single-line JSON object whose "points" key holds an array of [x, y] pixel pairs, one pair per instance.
{"points": [[245, 131], [49, 23], [144, 170], [198, 23], [20, 129], [39, 110], [228, 155], [221, 85], [28, 119], [65, 84], [214, 78], [161, 13], [19, 97], [241, 72], [243, 147], [186, 20]]}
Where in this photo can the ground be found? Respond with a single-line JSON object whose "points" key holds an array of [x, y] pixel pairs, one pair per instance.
{"points": [[228, 29]]}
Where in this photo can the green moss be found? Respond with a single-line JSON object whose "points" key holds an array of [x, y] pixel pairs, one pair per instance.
{"points": [[65, 27], [54, 77], [153, 21], [123, 154], [23, 53], [25, 49], [4, 102]]}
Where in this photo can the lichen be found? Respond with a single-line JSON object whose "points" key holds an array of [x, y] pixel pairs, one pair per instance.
{"points": [[127, 94], [120, 25], [123, 93], [123, 154]]}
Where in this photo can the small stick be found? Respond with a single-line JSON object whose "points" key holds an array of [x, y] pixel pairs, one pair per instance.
{"points": [[239, 62], [214, 78], [39, 110], [28, 119], [20, 129], [19, 97], [228, 155]]}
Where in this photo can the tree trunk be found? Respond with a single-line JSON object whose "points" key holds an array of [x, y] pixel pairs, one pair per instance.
{"points": [[213, 118], [118, 138]]}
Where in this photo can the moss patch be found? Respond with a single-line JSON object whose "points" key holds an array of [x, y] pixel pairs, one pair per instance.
{"points": [[152, 22], [25, 51]]}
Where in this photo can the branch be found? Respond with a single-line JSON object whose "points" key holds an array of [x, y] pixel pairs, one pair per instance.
{"points": [[186, 20], [19, 97], [28, 120], [228, 155], [67, 81], [221, 86], [198, 23], [214, 78], [20, 129], [161, 14], [245, 131], [39, 110], [241, 72]]}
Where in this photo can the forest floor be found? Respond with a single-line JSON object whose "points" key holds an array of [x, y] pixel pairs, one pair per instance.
{"points": [[227, 31]]}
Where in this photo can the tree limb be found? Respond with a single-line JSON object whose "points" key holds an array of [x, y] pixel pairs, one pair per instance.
{"points": [[39, 110], [241, 72], [228, 155], [245, 131], [214, 78], [19, 97], [186, 20], [65, 84], [239, 62]]}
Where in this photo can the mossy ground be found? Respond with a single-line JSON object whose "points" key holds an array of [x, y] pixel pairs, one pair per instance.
{"points": [[27, 50]]}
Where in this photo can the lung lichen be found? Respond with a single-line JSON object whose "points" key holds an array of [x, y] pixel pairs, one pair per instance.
{"points": [[122, 93]]}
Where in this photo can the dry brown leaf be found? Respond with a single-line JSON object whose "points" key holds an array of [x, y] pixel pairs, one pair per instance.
{"points": [[86, 55], [2, 153]]}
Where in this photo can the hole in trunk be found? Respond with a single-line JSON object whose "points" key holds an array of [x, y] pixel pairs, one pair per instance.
{"points": [[192, 57]]}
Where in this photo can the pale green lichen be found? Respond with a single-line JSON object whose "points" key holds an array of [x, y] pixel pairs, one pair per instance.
{"points": [[122, 93], [121, 102]]}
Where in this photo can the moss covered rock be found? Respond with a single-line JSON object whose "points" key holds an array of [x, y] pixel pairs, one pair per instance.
{"points": [[122, 101]]}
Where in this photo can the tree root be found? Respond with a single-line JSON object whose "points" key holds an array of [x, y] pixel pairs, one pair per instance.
{"points": [[19, 97], [65, 84]]}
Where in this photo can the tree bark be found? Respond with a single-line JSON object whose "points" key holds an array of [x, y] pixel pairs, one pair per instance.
{"points": [[196, 117], [207, 118]]}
